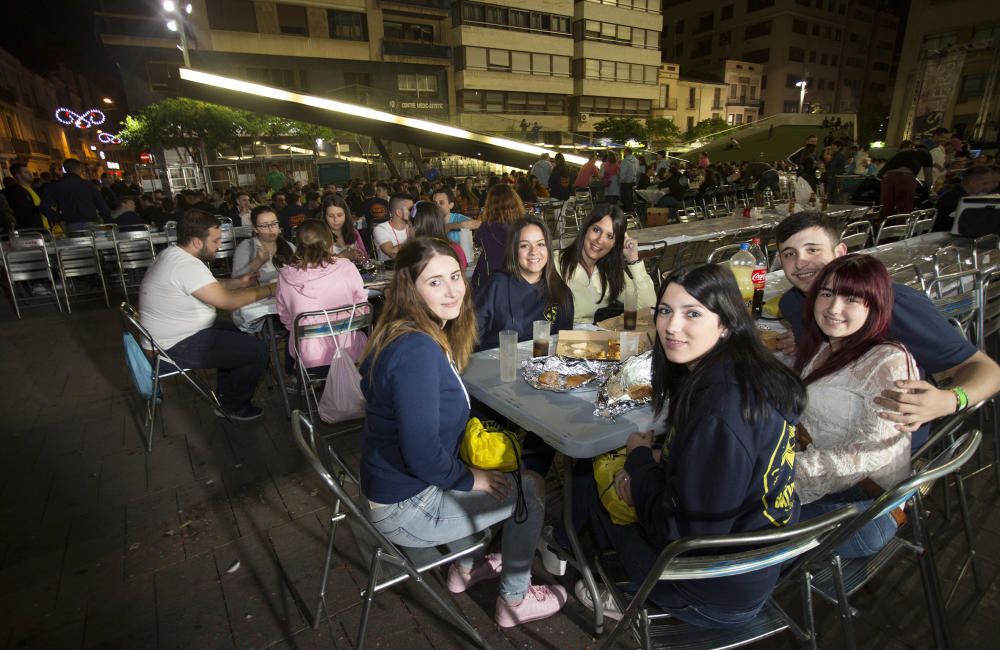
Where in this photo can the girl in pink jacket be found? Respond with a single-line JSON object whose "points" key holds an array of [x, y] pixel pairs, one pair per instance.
{"points": [[315, 280]]}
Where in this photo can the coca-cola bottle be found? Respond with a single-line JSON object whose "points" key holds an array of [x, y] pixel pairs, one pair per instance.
{"points": [[758, 277]]}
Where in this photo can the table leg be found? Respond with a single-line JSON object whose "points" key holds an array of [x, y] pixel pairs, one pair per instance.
{"points": [[574, 542], [272, 342]]}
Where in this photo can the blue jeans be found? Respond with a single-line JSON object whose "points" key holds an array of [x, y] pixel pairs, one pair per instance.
{"points": [[638, 557], [870, 539], [449, 517], [239, 358]]}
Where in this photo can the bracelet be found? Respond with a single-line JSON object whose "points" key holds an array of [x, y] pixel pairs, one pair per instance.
{"points": [[961, 398]]}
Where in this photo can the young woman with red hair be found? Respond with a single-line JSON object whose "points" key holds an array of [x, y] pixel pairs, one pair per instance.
{"points": [[848, 454]]}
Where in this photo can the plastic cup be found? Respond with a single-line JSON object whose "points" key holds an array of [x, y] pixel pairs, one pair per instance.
{"points": [[630, 301], [541, 336], [508, 355], [628, 344]]}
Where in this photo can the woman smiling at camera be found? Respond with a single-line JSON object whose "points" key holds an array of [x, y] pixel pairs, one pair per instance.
{"points": [[527, 289], [850, 454], [420, 492], [602, 264], [726, 464]]}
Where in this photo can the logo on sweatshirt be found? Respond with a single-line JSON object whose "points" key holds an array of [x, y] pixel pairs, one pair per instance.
{"points": [[779, 479]]}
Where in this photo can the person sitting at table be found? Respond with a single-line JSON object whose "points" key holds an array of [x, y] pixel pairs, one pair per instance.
{"points": [[257, 254], [420, 492], [427, 222], [807, 242], [347, 242], [313, 280], [726, 464], [502, 207], [390, 235], [602, 264], [528, 288], [526, 190], [467, 201], [847, 453], [177, 303]]}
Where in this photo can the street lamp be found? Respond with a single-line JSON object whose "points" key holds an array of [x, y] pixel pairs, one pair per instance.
{"points": [[175, 23], [107, 100], [802, 92]]}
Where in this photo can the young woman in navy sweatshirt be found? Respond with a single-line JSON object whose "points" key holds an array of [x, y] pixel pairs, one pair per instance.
{"points": [[528, 288], [726, 464], [420, 492]]}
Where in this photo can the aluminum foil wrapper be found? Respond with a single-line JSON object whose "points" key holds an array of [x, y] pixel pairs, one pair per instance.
{"points": [[614, 398], [551, 373]]}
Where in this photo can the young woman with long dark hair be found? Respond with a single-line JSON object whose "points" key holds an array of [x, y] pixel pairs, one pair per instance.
{"points": [[528, 288], [420, 492], [347, 242], [726, 463], [848, 453], [603, 263], [259, 253], [427, 222]]}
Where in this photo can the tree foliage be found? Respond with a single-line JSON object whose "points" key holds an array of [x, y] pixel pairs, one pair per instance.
{"points": [[181, 122], [662, 131], [620, 129], [706, 128]]}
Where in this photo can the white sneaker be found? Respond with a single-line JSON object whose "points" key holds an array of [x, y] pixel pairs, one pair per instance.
{"points": [[554, 564], [607, 601]]}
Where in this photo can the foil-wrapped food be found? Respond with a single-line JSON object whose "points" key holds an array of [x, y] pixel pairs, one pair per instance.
{"points": [[629, 388], [564, 374]]}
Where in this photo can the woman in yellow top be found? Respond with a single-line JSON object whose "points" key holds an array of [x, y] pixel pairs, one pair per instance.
{"points": [[602, 265]]}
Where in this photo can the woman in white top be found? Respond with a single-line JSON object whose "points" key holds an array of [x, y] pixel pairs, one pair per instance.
{"points": [[256, 255], [347, 241], [602, 265], [848, 454]]}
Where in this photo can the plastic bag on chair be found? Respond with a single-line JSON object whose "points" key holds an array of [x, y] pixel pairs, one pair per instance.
{"points": [[342, 398]]}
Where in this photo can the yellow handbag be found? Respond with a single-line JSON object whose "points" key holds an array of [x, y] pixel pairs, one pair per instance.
{"points": [[605, 467], [488, 446]]}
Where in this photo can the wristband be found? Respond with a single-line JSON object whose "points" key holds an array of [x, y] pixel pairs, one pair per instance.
{"points": [[961, 398]]}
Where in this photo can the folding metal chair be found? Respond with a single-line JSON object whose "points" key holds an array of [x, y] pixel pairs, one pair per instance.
{"points": [[894, 228], [159, 366], [331, 324], [25, 260], [986, 251], [222, 265], [134, 254], [856, 235], [923, 221], [988, 341], [722, 253], [956, 296], [951, 259], [704, 558], [389, 564], [909, 275], [77, 257], [835, 579]]}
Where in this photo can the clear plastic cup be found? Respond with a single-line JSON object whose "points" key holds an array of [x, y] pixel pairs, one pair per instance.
{"points": [[541, 337], [508, 355], [628, 344]]}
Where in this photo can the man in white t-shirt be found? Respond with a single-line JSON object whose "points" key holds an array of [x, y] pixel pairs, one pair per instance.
{"points": [[941, 135], [177, 303], [392, 234]]}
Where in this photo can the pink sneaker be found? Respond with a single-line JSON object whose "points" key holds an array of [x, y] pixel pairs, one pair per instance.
{"points": [[458, 582], [541, 601]]}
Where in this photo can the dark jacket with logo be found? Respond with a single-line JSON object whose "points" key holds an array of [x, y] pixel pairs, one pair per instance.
{"points": [[719, 475], [509, 303]]}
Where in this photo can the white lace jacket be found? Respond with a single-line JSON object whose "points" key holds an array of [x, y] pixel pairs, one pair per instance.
{"points": [[850, 441]]}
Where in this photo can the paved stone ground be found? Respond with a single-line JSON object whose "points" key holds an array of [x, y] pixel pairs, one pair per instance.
{"points": [[105, 546]]}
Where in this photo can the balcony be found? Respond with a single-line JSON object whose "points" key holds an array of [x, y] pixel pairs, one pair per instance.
{"points": [[436, 6], [21, 147], [742, 100], [391, 47]]}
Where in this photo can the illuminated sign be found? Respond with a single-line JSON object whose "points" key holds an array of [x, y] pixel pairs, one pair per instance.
{"points": [[110, 164], [93, 117], [109, 138]]}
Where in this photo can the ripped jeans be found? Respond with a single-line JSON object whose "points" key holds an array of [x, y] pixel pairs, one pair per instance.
{"points": [[435, 516]]}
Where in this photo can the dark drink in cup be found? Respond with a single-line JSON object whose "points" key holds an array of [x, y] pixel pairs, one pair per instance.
{"points": [[629, 318], [540, 348]]}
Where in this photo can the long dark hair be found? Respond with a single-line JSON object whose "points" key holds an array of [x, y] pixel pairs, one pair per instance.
{"points": [[552, 284], [426, 221], [860, 276], [764, 382], [347, 231], [283, 253], [611, 267]]}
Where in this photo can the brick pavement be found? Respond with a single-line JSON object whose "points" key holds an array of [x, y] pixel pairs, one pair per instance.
{"points": [[104, 546]]}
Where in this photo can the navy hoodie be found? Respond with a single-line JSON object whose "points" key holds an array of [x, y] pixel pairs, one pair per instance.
{"points": [[719, 476], [509, 303]]}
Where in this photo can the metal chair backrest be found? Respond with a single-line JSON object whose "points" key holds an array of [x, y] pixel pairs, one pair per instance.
{"points": [[923, 221], [228, 244], [894, 228], [856, 235], [910, 275], [950, 259], [986, 251], [27, 258], [26, 233], [956, 295], [722, 253], [988, 318], [170, 231]]}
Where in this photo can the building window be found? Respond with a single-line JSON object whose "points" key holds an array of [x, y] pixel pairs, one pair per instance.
{"points": [[347, 25], [855, 62], [815, 29], [758, 56], [279, 77], [702, 48], [824, 58], [411, 32], [478, 101], [821, 84], [973, 85], [692, 97], [726, 13], [791, 106], [757, 5], [791, 80], [417, 83], [615, 71], [679, 49], [800, 26], [797, 54], [939, 41], [812, 57], [160, 74], [498, 60], [292, 20], [478, 13], [717, 98], [479, 58], [613, 106], [881, 67], [595, 30], [725, 38], [757, 30], [833, 60], [705, 23], [690, 123], [232, 15]]}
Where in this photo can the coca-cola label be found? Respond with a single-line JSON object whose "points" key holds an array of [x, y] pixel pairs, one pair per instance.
{"points": [[758, 277]]}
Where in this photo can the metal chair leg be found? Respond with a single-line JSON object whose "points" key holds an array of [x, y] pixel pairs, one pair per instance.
{"points": [[842, 605], [930, 578], [373, 571], [970, 540], [808, 615]]}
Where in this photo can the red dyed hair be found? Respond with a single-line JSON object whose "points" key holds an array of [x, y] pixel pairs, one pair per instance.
{"points": [[860, 276]]}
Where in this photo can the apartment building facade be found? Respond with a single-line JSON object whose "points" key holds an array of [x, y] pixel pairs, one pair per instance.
{"points": [[687, 101], [842, 49], [487, 66], [949, 71]]}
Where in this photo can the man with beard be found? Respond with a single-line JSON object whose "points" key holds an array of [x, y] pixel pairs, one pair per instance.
{"points": [[177, 303]]}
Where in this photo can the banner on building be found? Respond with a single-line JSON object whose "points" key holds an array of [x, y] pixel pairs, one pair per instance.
{"points": [[940, 83]]}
